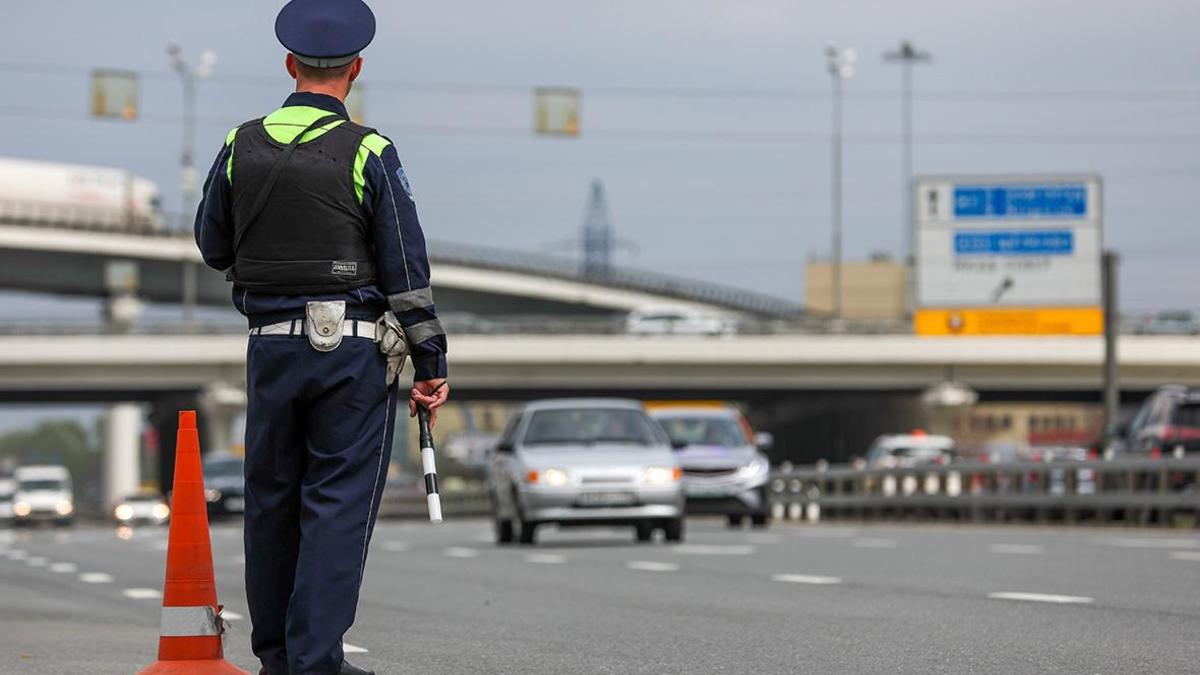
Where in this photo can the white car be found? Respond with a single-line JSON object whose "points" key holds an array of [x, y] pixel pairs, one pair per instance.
{"points": [[44, 493], [677, 321], [910, 450], [147, 507]]}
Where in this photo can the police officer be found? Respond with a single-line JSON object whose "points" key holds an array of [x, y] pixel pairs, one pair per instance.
{"points": [[312, 218]]}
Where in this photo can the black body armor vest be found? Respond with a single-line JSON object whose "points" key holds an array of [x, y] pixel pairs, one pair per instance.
{"points": [[311, 237]]}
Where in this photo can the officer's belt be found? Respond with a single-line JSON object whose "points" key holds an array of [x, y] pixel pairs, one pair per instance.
{"points": [[295, 328]]}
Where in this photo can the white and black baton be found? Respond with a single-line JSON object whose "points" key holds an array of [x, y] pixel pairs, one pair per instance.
{"points": [[430, 468]]}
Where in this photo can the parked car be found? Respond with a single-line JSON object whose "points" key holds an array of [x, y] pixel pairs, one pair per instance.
{"points": [[224, 484], [576, 462], [43, 494], [911, 450], [677, 321], [8, 487], [146, 507], [725, 470]]}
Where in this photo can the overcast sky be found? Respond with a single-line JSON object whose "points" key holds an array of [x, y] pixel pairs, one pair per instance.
{"points": [[741, 200]]}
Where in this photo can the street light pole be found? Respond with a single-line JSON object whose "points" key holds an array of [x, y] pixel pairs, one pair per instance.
{"points": [[907, 55], [188, 76], [841, 68]]}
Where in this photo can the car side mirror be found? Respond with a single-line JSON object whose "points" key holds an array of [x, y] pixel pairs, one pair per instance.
{"points": [[678, 445], [764, 440], [505, 449]]}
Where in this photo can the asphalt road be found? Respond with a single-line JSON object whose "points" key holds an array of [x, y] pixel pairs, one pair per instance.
{"points": [[791, 599]]}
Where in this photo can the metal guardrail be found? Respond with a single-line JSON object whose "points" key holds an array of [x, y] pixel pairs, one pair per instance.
{"points": [[1136, 492]]}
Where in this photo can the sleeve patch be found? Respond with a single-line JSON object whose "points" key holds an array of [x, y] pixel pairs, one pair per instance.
{"points": [[404, 182]]}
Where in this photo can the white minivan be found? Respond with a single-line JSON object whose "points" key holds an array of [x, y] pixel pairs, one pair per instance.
{"points": [[44, 494]]}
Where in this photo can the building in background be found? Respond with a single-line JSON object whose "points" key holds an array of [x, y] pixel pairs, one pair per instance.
{"points": [[873, 289]]}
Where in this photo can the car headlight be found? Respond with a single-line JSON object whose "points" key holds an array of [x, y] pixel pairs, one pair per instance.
{"points": [[212, 495], [661, 475], [161, 511], [22, 509], [123, 512], [64, 508], [757, 467], [550, 477]]}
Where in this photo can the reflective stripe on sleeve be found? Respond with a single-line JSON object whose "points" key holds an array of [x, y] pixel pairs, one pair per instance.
{"points": [[424, 331], [402, 302], [190, 622]]}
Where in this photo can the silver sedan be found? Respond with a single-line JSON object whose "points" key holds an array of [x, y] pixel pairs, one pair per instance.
{"points": [[574, 462]]}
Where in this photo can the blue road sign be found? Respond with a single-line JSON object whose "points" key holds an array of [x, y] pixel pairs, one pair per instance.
{"points": [[1020, 201], [1014, 242]]}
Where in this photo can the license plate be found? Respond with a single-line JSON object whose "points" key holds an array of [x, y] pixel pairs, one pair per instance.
{"points": [[606, 499], [235, 504], [706, 491]]}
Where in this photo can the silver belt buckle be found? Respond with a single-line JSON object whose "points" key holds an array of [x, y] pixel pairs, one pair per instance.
{"points": [[323, 323]]}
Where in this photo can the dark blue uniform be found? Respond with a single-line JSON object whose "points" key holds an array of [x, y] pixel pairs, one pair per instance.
{"points": [[319, 425]]}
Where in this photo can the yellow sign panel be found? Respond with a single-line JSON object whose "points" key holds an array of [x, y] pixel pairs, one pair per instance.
{"points": [[1010, 321]]}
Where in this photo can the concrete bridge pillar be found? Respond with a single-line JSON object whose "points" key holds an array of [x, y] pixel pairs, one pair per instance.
{"points": [[220, 405], [122, 460]]}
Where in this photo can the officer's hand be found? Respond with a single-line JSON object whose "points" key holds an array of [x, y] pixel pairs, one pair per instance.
{"points": [[429, 393]]}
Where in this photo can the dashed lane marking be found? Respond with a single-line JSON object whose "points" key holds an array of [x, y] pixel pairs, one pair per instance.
{"points": [[1021, 596], [1192, 556], [96, 578], [397, 546], [875, 542], [64, 568], [460, 552], [546, 558], [806, 579], [710, 549], [1016, 549], [1151, 542], [652, 566], [36, 561], [142, 593], [351, 649], [17, 554]]}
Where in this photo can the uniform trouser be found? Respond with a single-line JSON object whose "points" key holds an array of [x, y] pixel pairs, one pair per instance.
{"points": [[318, 441]]}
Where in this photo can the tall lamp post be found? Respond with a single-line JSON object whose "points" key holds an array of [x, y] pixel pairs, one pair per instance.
{"points": [[841, 68], [907, 55], [188, 75]]}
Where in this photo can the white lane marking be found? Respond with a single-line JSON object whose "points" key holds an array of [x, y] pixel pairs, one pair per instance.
{"points": [[231, 616], [651, 566], [460, 552], [351, 649], [17, 554], [1016, 549], [63, 568], [1193, 556], [399, 546], [712, 549], [546, 558], [36, 561], [142, 593], [806, 579], [1021, 596], [827, 533], [96, 578], [875, 542], [1150, 542]]}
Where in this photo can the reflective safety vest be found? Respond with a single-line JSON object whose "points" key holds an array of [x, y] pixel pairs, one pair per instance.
{"points": [[310, 236]]}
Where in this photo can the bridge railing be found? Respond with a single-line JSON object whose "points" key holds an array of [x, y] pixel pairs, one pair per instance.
{"points": [[1130, 491]]}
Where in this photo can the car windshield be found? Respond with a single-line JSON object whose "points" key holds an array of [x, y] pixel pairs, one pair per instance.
{"points": [[705, 430], [1186, 415], [223, 468], [590, 425], [34, 485], [925, 452]]}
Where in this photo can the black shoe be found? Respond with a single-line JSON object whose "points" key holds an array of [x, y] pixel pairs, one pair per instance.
{"points": [[348, 669]]}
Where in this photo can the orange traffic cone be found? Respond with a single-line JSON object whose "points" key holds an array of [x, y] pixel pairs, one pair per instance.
{"points": [[190, 641]]}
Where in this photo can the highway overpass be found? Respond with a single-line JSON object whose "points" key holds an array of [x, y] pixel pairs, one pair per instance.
{"points": [[468, 279]]}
